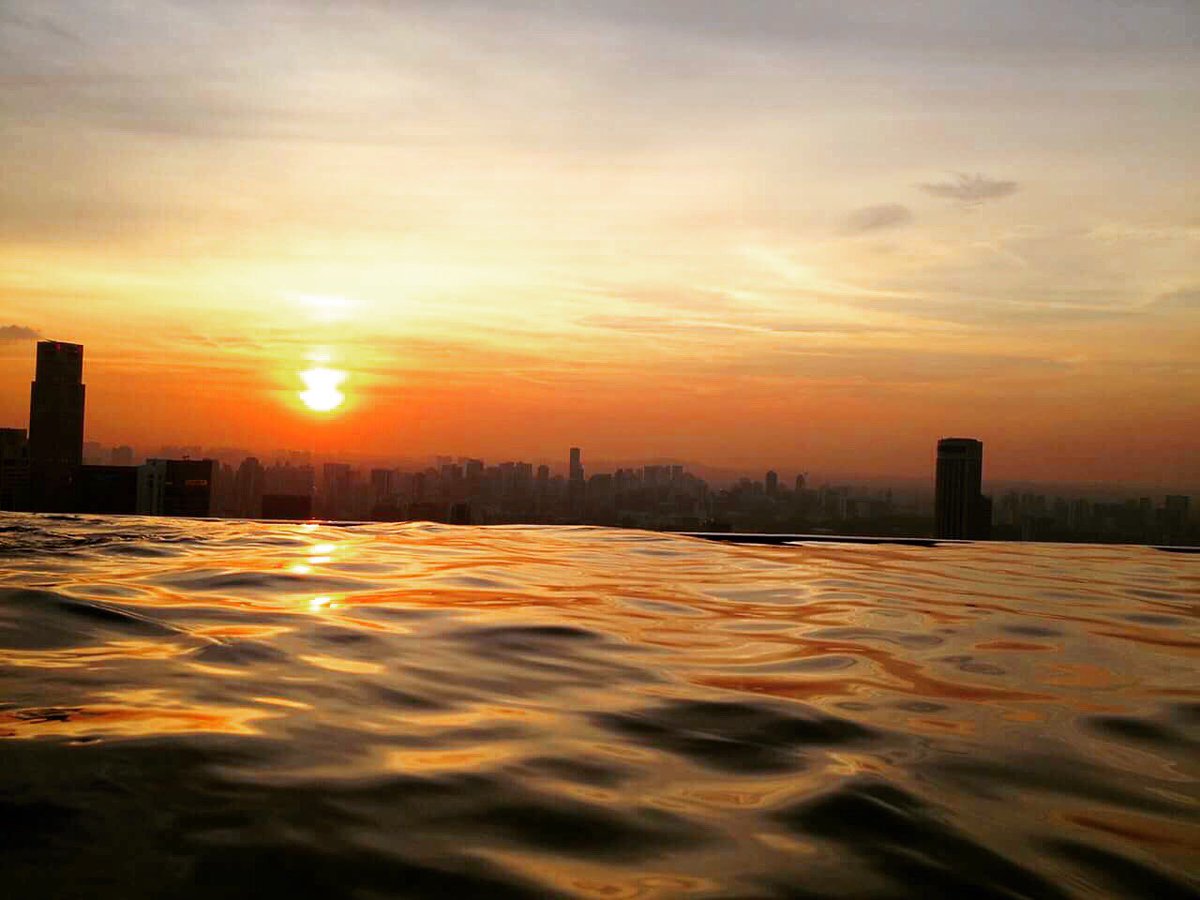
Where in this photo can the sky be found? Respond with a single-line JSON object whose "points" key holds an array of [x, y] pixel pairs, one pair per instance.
{"points": [[810, 235]]}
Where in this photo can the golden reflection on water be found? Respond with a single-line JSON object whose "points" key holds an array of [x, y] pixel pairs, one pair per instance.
{"points": [[533, 655], [131, 719]]}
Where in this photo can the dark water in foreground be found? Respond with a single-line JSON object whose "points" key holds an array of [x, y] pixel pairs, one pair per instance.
{"points": [[235, 709]]}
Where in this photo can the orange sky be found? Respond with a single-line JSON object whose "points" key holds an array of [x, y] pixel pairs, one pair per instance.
{"points": [[743, 234]]}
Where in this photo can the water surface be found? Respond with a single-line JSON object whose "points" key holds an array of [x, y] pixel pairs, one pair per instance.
{"points": [[194, 708]]}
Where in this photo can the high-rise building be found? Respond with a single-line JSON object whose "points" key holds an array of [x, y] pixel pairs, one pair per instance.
{"points": [[108, 490], [576, 467], [962, 512], [56, 403], [176, 487], [249, 487], [382, 484], [287, 506], [337, 486], [772, 481], [122, 456], [1175, 516], [14, 468]]}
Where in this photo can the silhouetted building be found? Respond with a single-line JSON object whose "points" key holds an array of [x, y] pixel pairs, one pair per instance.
{"points": [[248, 487], [14, 469], [1175, 516], [106, 489], [176, 487], [961, 510], [287, 506], [337, 489], [122, 456], [575, 483], [55, 425], [382, 484], [772, 481]]}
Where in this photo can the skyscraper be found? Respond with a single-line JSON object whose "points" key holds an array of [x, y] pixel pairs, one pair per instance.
{"points": [[56, 424], [575, 484], [962, 512], [772, 482], [249, 487]]}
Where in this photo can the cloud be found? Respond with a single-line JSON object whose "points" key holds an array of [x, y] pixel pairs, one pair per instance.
{"points": [[1186, 298], [667, 326], [874, 218], [971, 190], [11, 334]]}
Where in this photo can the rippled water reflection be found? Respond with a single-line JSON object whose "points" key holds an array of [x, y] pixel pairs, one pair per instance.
{"points": [[229, 709]]}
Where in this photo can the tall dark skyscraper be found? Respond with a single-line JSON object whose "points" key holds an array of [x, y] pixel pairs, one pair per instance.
{"points": [[56, 424], [962, 510], [576, 469]]}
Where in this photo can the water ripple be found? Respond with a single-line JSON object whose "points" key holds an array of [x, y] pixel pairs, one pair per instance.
{"points": [[236, 709]]}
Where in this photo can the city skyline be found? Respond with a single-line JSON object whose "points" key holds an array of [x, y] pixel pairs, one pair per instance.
{"points": [[817, 229], [121, 453], [50, 468]]}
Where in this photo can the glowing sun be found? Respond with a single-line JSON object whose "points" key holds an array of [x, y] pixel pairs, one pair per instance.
{"points": [[322, 388]]}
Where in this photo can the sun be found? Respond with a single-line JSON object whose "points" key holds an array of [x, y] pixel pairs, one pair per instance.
{"points": [[323, 388]]}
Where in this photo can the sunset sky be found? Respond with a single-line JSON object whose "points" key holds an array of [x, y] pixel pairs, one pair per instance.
{"points": [[812, 235]]}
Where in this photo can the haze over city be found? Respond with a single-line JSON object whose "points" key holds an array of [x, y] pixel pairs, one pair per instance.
{"points": [[809, 236]]}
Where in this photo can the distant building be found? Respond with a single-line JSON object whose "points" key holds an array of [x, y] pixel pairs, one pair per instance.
{"points": [[961, 510], [56, 405], [289, 479], [176, 487], [382, 484], [14, 469], [1175, 516], [575, 483], [109, 490], [772, 481], [337, 490], [249, 484], [287, 506], [122, 456]]}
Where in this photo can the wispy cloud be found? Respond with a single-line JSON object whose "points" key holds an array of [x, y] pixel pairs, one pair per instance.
{"points": [[666, 326], [875, 218], [970, 190], [11, 334], [1185, 298]]}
